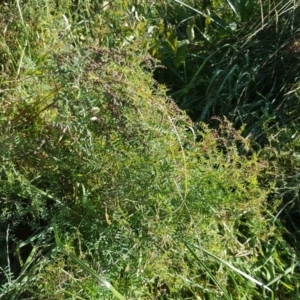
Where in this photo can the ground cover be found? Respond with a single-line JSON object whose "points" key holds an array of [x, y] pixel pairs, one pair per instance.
{"points": [[109, 189]]}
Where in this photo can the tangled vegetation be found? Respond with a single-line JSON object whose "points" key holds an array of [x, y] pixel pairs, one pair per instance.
{"points": [[149, 149]]}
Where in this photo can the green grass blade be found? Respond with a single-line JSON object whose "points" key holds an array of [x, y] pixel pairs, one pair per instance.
{"points": [[233, 9], [78, 261], [203, 14], [210, 275], [286, 272], [250, 278]]}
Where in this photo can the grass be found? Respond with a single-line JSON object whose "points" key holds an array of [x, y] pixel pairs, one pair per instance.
{"points": [[109, 190], [237, 73]]}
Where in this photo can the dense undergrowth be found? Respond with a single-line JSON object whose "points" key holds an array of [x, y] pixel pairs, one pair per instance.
{"points": [[110, 190]]}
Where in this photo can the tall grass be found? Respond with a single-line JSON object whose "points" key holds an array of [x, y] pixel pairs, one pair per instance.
{"points": [[246, 71]]}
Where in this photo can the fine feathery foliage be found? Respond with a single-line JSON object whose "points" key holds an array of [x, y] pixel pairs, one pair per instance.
{"points": [[108, 190]]}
